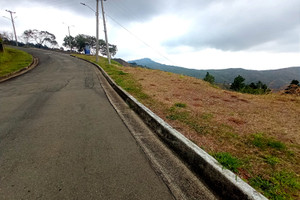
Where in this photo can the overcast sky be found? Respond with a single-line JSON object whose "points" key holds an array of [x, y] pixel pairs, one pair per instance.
{"points": [[203, 34]]}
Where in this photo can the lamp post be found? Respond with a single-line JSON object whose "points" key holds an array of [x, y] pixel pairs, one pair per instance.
{"points": [[97, 27]]}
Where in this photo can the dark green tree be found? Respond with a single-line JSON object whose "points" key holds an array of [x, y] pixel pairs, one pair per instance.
{"points": [[238, 83], [69, 42], [294, 82], [82, 40], [103, 49], [253, 85], [209, 78]]}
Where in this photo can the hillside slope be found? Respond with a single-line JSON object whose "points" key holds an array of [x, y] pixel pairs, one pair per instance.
{"points": [[256, 136], [275, 79]]}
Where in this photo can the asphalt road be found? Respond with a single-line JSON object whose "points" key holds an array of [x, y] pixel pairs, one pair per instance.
{"points": [[60, 138]]}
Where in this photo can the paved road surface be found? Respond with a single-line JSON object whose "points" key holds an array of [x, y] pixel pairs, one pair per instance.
{"points": [[60, 138]]}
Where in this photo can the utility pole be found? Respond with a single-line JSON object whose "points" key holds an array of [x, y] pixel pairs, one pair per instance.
{"points": [[13, 23], [97, 31], [97, 28], [105, 32]]}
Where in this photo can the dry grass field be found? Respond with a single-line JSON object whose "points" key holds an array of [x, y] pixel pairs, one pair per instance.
{"points": [[255, 136], [261, 131]]}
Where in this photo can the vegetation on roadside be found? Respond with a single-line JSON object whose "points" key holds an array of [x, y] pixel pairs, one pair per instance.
{"points": [[12, 60], [257, 137]]}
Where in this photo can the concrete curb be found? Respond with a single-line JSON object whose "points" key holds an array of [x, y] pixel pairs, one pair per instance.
{"points": [[12, 75], [222, 181]]}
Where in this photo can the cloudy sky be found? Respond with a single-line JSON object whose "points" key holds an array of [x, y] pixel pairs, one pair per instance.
{"points": [[202, 34]]}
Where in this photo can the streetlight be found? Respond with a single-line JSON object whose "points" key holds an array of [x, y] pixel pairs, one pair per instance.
{"points": [[70, 42], [97, 28]]}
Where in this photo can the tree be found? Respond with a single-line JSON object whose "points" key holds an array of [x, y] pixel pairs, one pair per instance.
{"points": [[41, 38], [238, 83], [69, 41], [209, 78], [6, 36], [103, 49], [27, 35], [294, 82], [82, 40]]}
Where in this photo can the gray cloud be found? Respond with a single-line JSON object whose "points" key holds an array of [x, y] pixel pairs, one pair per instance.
{"points": [[223, 24], [240, 25]]}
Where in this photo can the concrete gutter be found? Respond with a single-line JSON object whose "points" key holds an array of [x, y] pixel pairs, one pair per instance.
{"points": [[32, 65], [222, 181]]}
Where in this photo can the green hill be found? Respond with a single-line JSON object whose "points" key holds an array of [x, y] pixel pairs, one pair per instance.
{"points": [[275, 79]]}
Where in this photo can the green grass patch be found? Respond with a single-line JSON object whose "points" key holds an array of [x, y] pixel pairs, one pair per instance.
{"points": [[281, 185], [271, 160], [12, 60], [261, 141], [228, 161]]}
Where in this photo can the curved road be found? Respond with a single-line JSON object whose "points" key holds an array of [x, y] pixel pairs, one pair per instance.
{"points": [[60, 138]]}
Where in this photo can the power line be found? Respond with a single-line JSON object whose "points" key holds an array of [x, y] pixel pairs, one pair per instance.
{"points": [[145, 43]]}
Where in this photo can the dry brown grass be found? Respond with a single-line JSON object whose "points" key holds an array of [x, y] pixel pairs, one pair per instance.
{"points": [[228, 119]]}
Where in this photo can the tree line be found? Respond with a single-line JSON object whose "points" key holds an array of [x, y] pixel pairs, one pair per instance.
{"points": [[80, 41], [47, 40], [240, 86]]}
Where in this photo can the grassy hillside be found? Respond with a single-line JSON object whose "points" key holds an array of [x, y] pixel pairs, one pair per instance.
{"points": [[12, 60], [257, 137], [275, 79]]}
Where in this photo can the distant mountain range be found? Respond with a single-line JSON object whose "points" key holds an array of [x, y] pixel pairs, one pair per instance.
{"points": [[275, 79]]}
